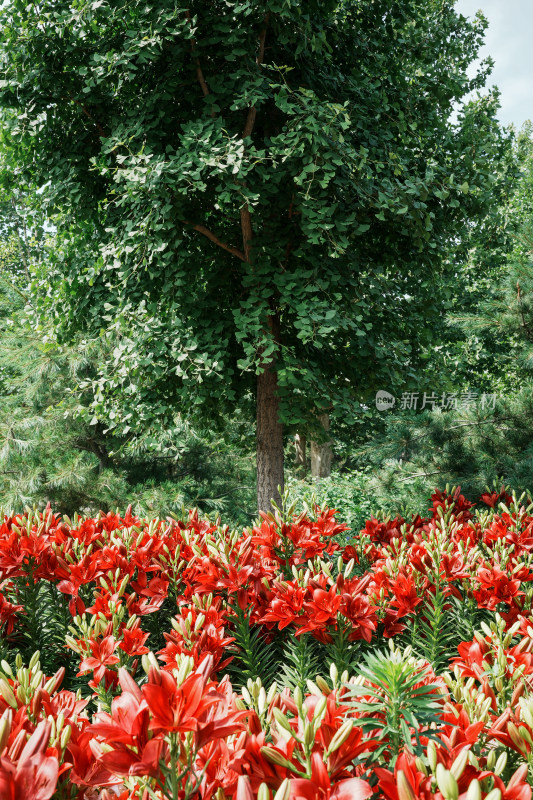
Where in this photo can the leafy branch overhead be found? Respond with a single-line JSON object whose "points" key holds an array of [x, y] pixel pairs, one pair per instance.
{"points": [[257, 158]]}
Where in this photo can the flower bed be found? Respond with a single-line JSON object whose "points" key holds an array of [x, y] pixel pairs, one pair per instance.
{"points": [[183, 660]]}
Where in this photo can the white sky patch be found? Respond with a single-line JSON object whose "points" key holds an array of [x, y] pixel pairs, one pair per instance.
{"points": [[509, 41]]}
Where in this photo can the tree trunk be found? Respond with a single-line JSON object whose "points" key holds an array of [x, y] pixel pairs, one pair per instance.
{"points": [[321, 453], [269, 440], [300, 454]]}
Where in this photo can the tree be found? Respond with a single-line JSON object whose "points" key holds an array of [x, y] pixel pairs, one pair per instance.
{"points": [[254, 196], [49, 450], [488, 350]]}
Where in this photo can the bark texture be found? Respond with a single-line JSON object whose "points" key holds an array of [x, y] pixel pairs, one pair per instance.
{"points": [[269, 440], [321, 453], [300, 451]]}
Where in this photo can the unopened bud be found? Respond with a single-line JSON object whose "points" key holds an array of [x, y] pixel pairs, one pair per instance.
{"points": [[7, 693], [37, 702], [405, 791], [474, 790], [421, 767], [36, 679], [517, 740], [282, 720], [320, 708], [525, 734], [309, 734], [275, 757], [322, 685], [459, 764], [500, 763], [340, 736], [262, 701], [447, 783], [5, 728], [284, 790], [263, 793], [65, 736], [34, 659], [123, 584], [432, 755], [72, 643], [272, 692]]}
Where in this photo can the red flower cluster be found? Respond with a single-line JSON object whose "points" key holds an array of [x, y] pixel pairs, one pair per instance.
{"points": [[168, 724]]}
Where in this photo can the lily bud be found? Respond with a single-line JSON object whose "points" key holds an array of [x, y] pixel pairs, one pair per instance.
{"points": [[421, 767], [7, 669], [284, 791], [37, 702], [5, 728], [516, 738], [474, 790], [262, 701], [275, 757], [34, 659], [459, 764], [340, 736], [447, 783], [65, 737], [272, 692], [322, 685], [309, 734], [7, 693], [263, 793], [405, 791], [500, 763], [320, 708], [282, 720], [432, 755]]}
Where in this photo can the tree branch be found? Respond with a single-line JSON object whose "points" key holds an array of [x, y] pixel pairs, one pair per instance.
{"points": [[252, 111], [418, 475], [199, 72], [100, 129], [246, 218], [212, 237], [23, 240]]}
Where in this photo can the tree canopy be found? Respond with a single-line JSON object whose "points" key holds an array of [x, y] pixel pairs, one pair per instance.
{"points": [[253, 198]]}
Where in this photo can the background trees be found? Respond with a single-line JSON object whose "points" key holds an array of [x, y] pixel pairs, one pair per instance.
{"points": [[487, 348], [255, 200]]}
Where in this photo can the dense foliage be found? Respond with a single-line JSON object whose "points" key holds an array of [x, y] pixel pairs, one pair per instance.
{"points": [[249, 194], [289, 660], [486, 349], [52, 449]]}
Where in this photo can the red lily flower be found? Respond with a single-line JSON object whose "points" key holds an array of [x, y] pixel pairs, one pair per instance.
{"points": [[35, 774], [102, 657]]}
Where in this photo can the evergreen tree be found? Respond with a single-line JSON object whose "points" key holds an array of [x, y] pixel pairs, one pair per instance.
{"points": [[487, 365], [52, 449]]}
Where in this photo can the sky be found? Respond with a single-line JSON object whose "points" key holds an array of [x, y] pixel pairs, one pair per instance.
{"points": [[509, 40]]}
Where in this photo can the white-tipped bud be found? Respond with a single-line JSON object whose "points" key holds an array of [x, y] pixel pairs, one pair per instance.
{"points": [[474, 790]]}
